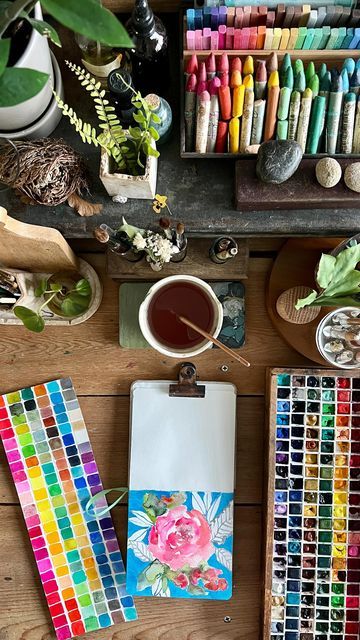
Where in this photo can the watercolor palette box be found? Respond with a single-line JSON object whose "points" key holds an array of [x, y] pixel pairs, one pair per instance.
{"points": [[312, 580], [55, 474]]}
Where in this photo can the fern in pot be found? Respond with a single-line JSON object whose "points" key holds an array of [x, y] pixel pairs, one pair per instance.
{"points": [[128, 165]]}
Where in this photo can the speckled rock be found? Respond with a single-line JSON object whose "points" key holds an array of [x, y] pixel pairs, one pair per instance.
{"points": [[328, 172], [352, 176], [278, 160]]}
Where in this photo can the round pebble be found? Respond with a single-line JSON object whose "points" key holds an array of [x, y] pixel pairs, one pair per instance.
{"points": [[352, 176], [328, 172]]}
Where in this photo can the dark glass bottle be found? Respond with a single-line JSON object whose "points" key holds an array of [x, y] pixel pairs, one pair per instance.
{"points": [[149, 57], [119, 84]]}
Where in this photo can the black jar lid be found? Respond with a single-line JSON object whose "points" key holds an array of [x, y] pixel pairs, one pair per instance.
{"points": [[120, 83]]}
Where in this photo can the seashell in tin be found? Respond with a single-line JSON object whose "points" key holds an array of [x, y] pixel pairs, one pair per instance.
{"points": [[352, 336], [334, 332], [340, 318], [335, 346], [357, 356], [354, 313], [344, 357]]}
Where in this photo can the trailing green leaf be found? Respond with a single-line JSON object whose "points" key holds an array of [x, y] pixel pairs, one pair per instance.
{"points": [[30, 319], [41, 288], [18, 85], [46, 30], [4, 54], [90, 19]]}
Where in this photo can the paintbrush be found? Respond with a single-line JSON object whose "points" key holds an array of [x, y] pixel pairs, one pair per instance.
{"points": [[180, 230], [164, 223], [7, 276], [209, 337]]}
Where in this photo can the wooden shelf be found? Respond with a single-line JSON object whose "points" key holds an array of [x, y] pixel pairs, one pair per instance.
{"points": [[316, 55]]}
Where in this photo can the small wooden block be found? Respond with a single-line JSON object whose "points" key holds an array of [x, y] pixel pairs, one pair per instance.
{"points": [[197, 263], [27, 247], [285, 306], [301, 191]]}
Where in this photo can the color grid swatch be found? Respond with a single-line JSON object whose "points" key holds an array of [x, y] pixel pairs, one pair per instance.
{"points": [[316, 510], [55, 474]]}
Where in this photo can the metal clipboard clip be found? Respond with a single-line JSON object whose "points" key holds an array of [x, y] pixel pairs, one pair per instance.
{"points": [[187, 387]]}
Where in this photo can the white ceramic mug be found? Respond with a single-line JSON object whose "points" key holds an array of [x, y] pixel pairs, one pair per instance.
{"points": [[180, 353]]}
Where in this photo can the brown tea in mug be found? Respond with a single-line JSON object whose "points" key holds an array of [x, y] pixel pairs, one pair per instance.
{"points": [[180, 298]]}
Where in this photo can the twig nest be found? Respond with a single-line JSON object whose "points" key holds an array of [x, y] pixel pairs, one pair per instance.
{"points": [[328, 172], [352, 176]]}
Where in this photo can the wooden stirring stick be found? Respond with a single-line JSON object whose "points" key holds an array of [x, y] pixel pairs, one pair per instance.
{"points": [[353, 321], [209, 337]]}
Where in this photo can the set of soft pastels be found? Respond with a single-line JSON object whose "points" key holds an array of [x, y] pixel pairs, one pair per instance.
{"points": [[55, 474], [314, 522], [288, 27]]}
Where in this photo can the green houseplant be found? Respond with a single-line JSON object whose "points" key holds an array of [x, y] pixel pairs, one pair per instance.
{"points": [[126, 154], [86, 17], [64, 295]]}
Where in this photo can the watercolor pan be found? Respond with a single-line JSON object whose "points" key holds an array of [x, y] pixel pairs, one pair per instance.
{"points": [[312, 558], [53, 467]]}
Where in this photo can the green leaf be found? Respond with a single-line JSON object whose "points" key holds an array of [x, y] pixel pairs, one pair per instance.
{"points": [[152, 152], [129, 229], [325, 270], [345, 264], [350, 284], [155, 118], [74, 305], [56, 287], [90, 19], [30, 319], [154, 134], [41, 288], [46, 30], [83, 287], [18, 85], [139, 117], [304, 302], [195, 590], [341, 301], [4, 54]]}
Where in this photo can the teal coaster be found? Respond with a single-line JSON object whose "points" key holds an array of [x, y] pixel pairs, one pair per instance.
{"points": [[230, 294]]}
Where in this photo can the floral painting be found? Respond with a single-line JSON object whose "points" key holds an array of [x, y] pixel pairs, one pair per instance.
{"points": [[180, 544]]}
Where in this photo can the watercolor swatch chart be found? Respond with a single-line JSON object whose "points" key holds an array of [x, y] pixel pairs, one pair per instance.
{"points": [[313, 524], [54, 471]]}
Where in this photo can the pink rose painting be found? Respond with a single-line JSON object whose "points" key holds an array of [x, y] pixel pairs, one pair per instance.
{"points": [[185, 539]]}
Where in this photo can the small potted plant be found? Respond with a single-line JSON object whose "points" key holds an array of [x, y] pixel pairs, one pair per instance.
{"points": [[128, 166], [158, 246], [338, 280], [67, 295], [28, 69]]}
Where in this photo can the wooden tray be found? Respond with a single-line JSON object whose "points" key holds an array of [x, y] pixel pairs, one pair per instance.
{"points": [[301, 191], [295, 265], [197, 263]]}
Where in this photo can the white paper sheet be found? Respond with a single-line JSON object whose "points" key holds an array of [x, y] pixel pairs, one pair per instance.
{"points": [[182, 443]]}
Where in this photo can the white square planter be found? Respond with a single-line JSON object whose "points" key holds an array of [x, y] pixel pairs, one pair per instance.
{"points": [[123, 185]]}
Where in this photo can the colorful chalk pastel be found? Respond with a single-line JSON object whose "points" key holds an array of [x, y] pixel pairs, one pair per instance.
{"points": [[288, 80], [349, 65], [305, 15], [198, 39], [202, 121], [234, 135], [284, 103], [326, 31], [322, 70], [248, 67], [260, 42], [222, 15], [222, 70], [198, 19], [244, 38], [286, 63], [253, 38], [333, 38], [289, 16], [55, 474], [314, 85], [300, 82], [202, 73], [214, 18], [225, 102], [272, 63], [272, 105], [301, 38], [341, 37], [258, 122], [269, 36], [190, 112], [210, 65], [316, 124], [284, 42], [311, 23], [309, 72], [192, 66], [304, 118], [348, 122], [222, 36], [355, 81], [294, 111], [229, 38], [190, 40], [222, 136], [356, 138], [309, 39], [206, 39], [334, 112], [190, 19], [214, 40], [239, 13], [260, 80], [236, 64], [282, 129], [235, 79], [317, 39], [298, 67], [230, 17], [238, 101], [276, 38], [214, 86], [246, 120]]}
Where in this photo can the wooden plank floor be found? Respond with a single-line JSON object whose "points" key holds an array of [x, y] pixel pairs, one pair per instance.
{"points": [[102, 375]]}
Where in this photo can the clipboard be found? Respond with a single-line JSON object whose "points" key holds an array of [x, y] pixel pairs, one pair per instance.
{"points": [[181, 488]]}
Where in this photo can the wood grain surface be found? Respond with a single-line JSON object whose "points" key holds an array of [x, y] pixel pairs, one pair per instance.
{"points": [[102, 373]]}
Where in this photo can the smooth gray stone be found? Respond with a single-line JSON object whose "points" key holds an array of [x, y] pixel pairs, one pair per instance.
{"points": [[278, 160]]}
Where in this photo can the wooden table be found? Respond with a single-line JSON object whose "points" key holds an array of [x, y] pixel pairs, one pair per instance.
{"points": [[200, 192], [102, 373]]}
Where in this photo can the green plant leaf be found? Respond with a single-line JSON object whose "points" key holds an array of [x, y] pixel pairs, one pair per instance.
{"points": [[304, 302], [155, 118], [83, 287], [345, 265], [341, 301], [46, 30], [4, 54], [90, 19], [74, 305], [41, 288], [139, 117], [18, 85], [152, 152], [325, 270], [154, 133], [30, 319], [56, 287]]}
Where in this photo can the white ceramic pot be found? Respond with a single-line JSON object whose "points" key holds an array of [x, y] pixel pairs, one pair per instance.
{"points": [[36, 56], [122, 186], [178, 353]]}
